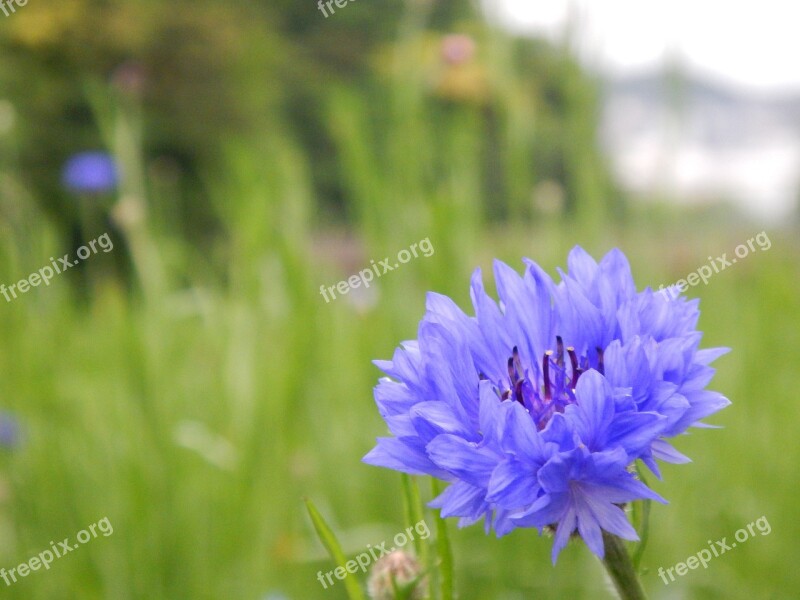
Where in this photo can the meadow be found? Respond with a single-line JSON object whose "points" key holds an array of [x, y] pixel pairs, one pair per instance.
{"points": [[193, 388]]}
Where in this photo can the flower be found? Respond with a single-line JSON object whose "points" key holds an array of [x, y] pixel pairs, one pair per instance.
{"points": [[536, 408], [457, 48], [9, 430], [397, 571], [129, 78], [90, 172]]}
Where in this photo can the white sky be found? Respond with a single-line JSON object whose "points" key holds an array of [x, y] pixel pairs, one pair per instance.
{"points": [[754, 44]]}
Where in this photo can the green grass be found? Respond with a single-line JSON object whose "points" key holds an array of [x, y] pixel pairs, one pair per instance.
{"points": [[284, 380], [197, 409]]}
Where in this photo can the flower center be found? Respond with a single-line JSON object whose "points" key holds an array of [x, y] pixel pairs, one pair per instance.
{"points": [[547, 390]]}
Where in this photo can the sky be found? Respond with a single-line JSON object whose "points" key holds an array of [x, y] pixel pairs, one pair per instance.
{"points": [[754, 45]]}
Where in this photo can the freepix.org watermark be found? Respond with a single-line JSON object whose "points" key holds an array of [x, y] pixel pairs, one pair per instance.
{"points": [[8, 5], [715, 265], [46, 273], [363, 560], [365, 276], [329, 3], [715, 549], [46, 557]]}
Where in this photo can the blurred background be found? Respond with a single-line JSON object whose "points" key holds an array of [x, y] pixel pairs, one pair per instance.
{"points": [[192, 384]]}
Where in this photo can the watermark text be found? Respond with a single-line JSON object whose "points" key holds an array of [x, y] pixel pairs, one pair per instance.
{"points": [[8, 5], [46, 273], [46, 557], [715, 265], [373, 553], [329, 3], [715, 549], [365, 276]]}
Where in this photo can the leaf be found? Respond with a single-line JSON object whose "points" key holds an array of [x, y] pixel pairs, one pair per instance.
{"points": [[334, 548]]}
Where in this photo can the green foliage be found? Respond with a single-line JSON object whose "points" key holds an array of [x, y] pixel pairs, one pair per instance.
{"points": [[334, 548], [366, 89], [196, 400]]}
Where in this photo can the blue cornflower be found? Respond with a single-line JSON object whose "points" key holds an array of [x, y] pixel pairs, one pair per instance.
{"points": [[9, 430], [536, 408], [90, 173]]}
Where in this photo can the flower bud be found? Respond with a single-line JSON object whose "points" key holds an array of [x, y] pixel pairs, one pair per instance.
{"points": [[399, 571]]}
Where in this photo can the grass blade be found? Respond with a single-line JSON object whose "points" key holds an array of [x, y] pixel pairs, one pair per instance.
{"points": [[444, 551], [641, 522], [328, 539], [414, 513]]}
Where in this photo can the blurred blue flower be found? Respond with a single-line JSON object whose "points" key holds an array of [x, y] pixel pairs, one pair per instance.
{"points": [[90, 172], [535, 409], [9, 430]]}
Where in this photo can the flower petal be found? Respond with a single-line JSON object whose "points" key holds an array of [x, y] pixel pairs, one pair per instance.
{"points": [[463, 459]]}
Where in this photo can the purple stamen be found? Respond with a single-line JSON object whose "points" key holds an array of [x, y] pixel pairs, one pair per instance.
{"points": [[576, 372], [546, 372]]}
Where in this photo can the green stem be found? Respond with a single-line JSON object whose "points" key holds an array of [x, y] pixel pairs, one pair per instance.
{"points": [[444, 550], [620, 568]]}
